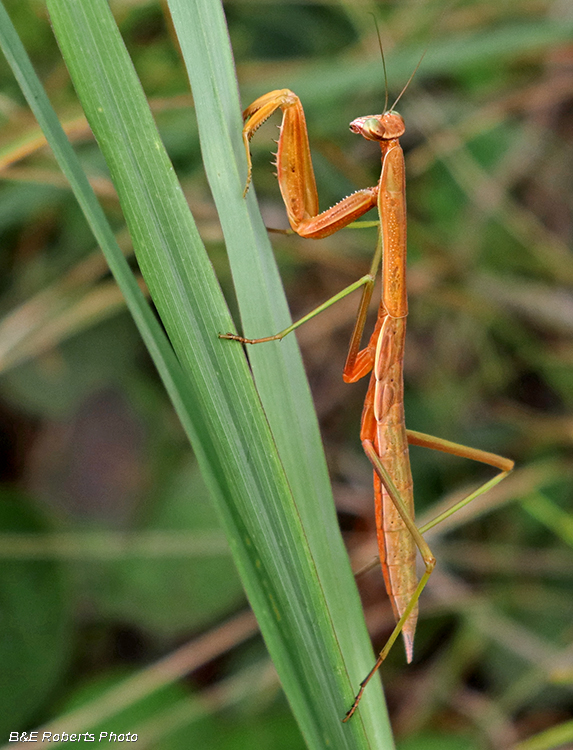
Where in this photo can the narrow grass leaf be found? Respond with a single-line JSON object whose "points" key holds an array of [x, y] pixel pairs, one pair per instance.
{"points": [[277, 366], [224, 419]]}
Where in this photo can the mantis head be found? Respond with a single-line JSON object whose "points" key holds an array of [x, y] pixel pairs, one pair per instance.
{"points": [[384, 127]]}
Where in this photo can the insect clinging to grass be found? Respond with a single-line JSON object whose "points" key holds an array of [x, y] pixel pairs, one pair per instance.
{"points": [[385, 438]]}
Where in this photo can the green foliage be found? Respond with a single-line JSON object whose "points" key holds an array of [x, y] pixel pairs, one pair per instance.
{"points": [[199, 589], [35, 630], [488, 364]]}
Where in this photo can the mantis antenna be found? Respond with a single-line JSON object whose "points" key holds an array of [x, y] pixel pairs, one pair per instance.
{"points": [[436, 23], [383, 62], [410, 79]]}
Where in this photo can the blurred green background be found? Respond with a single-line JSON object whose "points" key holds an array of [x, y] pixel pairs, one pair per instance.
{"points": [[112, 557]]}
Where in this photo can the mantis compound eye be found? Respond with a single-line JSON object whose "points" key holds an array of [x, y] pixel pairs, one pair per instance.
{"points": [[374, 129], [370, 127], [379, 127]]}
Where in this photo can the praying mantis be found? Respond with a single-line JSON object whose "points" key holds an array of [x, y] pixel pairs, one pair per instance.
{"points": [[385, 438]]}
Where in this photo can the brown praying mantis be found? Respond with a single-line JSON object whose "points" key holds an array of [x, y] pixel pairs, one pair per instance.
{"points": [[384, 436]]}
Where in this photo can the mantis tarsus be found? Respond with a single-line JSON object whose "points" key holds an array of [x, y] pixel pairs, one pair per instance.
{"points": [[384, 436]]}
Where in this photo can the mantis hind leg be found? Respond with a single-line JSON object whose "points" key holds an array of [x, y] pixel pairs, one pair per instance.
{"points": [[505, 466], [427, 556]]}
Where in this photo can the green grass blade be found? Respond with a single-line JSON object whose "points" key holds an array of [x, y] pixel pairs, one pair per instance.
{"points": [[211, 386], [147, 324], [277, 367]]}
